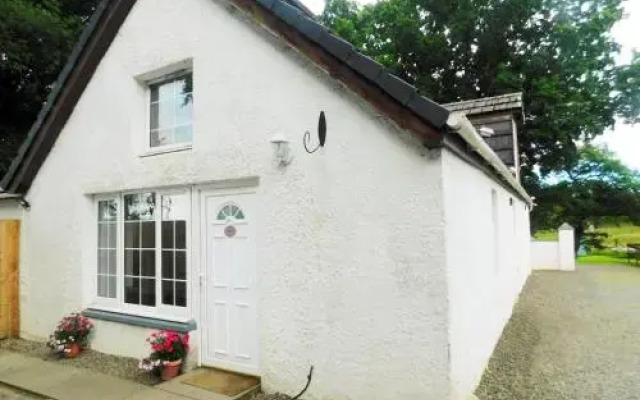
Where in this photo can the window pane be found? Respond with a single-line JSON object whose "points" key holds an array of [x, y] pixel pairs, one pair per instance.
{"points": [[148, 267], [148, 292], [167, 292], [130, 202], [183, 134], [147, 206], [103, 235], [175, 207], [132, 290], [103, 288], [132, 235], [103, 261], [166, 115], [162, 137], [139, 206], [107, 210], [112, 261], [112, 287], [181, 294], [148, 233], [181, 234], [166, 90], [155, 117], [184, 84], [113, 239], [167, 264], [183, 110], [132, 262], [167, 234], [181, 265]]}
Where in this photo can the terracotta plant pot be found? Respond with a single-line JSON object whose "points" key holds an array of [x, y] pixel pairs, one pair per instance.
{"points": [[73, 350], [171, 369]]}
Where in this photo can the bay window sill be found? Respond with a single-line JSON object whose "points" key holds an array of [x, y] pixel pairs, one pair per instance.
{"points": [[136, 320]]}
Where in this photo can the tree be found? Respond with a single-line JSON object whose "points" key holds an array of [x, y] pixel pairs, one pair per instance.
{"points": [[558, 52], [36, 38], [598, 187]]}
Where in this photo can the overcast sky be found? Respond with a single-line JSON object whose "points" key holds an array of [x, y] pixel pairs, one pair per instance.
{"points": [[624, 140]]}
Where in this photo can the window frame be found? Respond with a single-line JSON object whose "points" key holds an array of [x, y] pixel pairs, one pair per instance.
{"points": [[172, 147], [160, 310]]}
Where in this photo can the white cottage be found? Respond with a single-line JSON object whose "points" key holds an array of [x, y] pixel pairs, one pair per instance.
{"points": [[166, 184]]}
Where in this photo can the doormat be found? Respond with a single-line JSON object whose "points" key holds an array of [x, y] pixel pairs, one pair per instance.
{"points": [[223, 382]]}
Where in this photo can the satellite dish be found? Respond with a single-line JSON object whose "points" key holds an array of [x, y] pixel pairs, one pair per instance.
{"points": [[322, 134], [322, 129]]}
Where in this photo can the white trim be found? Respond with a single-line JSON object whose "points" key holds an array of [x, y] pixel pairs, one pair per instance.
{"points": [[241, 187], [169, 72], [160, 311], [170, 148]]}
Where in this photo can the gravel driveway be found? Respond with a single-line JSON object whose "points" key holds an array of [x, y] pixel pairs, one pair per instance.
{"points": [[573, 335]]}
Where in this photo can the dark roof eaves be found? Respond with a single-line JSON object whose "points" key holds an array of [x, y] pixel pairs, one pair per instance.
{"points": [[404, 93]]}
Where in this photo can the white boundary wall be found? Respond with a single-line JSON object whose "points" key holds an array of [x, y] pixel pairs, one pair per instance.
{"points": [[555, 255]]}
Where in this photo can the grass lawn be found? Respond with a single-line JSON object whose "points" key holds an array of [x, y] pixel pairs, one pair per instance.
{"points": [[602, 259], [619, 235]]}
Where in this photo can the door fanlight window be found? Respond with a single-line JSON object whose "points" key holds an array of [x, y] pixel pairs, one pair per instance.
{"points": [[230, 211]]}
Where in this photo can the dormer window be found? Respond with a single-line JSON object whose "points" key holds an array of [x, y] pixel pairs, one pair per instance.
{"points": [[171, 111]]}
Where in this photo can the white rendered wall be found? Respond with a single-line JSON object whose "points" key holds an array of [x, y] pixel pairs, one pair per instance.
{"points": [[544, 254], [555, 255], [483, 288], [350, 239]]}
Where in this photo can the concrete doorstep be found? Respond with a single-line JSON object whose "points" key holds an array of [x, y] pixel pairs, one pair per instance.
{"points": [[61, 382]]}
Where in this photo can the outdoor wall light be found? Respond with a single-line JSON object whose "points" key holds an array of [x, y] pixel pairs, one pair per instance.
{"points": [[282, 151]]}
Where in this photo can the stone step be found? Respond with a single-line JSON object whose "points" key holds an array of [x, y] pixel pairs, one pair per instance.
{"points": [[178, 386]]}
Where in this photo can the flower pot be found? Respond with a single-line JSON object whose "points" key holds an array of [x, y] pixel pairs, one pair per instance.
{"points": [[171, 369], [73, 350]]}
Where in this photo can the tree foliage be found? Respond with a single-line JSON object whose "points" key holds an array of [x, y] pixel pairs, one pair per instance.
{"points": [[560, 53], [36, 38], [597, 188]]}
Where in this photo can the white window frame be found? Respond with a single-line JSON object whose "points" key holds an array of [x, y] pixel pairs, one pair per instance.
{"points": [[168, 148], [160, 311]]}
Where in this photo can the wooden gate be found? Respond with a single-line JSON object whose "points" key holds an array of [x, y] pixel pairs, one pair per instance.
{"points": [[9, 278]]}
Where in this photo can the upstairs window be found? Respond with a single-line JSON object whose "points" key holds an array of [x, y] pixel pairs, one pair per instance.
{"points": [[171, 111]]}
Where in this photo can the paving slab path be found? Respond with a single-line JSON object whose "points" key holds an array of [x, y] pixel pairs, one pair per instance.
{"points": [[25, 377], [573, 335]]}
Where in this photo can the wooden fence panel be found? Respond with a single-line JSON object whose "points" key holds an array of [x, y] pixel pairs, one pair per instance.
{"points": [[9, 278]]}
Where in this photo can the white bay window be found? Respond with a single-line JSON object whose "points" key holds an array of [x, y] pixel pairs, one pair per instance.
{"points": [[142, 253]]}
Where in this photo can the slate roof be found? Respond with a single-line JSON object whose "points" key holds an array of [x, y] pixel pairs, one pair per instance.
{"points": [[511, 101], [373, 71]]}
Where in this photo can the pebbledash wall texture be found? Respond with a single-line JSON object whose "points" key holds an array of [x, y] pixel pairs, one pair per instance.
{"points": [[487, 252], [374, 262], [350, 240]]}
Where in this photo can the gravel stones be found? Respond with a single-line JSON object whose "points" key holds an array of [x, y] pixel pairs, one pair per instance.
{"points": [[120, 367], [572, 335]]}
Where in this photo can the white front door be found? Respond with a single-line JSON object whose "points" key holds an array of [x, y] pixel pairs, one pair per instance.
{"points": [[230, 337]]}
